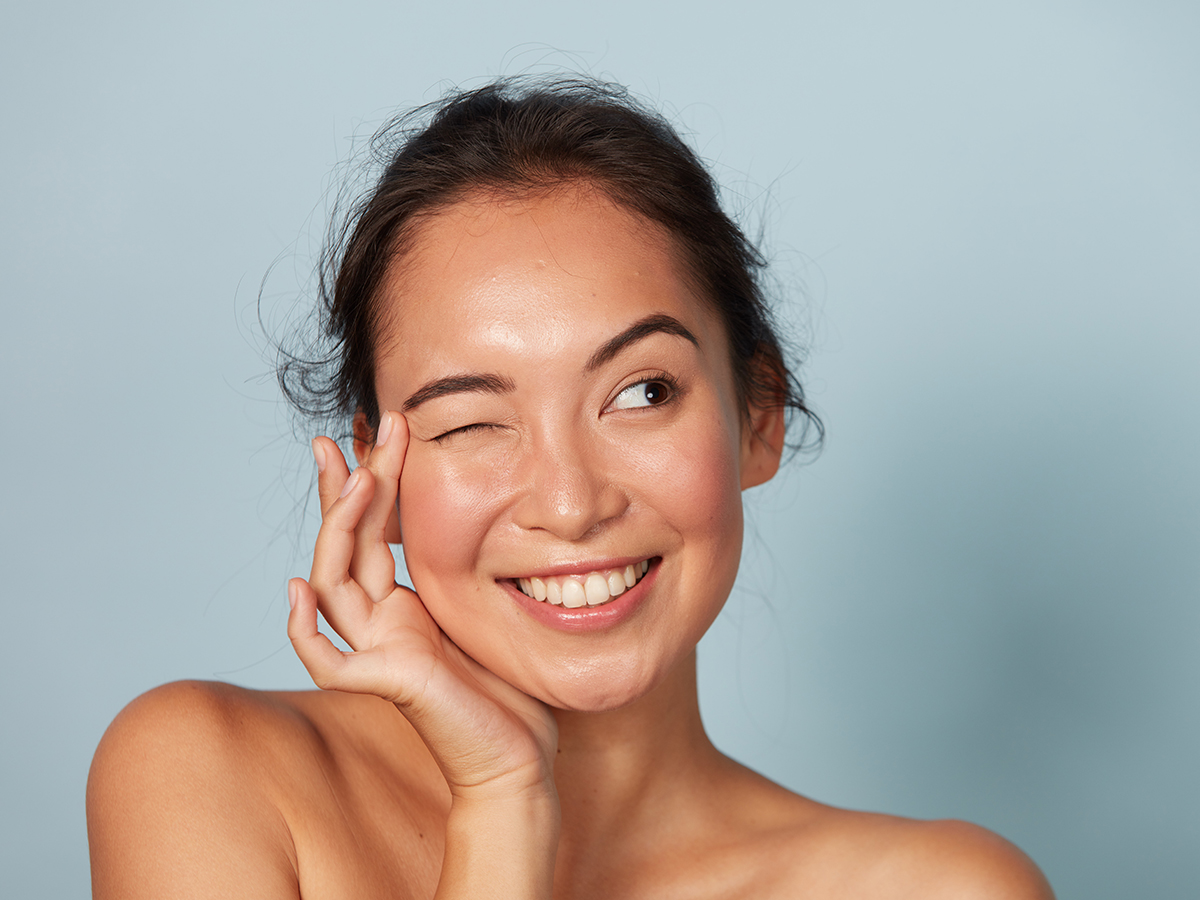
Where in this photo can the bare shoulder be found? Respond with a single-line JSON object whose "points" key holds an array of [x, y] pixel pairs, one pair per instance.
{"points": [[189, 734], [873, 855], [177, 781], [793, 846], [954, 859], [206, 789]]}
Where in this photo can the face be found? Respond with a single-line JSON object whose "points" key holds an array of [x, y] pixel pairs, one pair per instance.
{"points": [[574, 433]]}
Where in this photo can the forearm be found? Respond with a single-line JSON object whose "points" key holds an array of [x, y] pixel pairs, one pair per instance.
{"points": [[500, 848]]}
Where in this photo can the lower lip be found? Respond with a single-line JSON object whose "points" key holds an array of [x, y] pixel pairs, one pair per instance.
{"points": [[587, 618]]}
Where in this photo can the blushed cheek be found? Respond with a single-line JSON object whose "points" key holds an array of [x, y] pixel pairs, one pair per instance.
{"points": [[445, 512], [694, 480], [712, 487]]}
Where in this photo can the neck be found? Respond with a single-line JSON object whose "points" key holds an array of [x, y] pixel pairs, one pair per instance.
{"points": [[631, 765]]}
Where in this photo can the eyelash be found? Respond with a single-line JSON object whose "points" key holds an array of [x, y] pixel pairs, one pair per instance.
{"points": [[474, 426], [673, 392], [660, 377]]}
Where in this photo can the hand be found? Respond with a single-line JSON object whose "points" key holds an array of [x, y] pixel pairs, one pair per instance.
{"points": [[487, 737]]}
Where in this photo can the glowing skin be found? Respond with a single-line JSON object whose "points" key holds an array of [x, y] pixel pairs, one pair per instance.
{"points": [[558, 465], [567, 468]]}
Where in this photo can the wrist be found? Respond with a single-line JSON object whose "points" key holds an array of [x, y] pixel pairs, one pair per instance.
{"points": [[531, 806], [530, 783], [501, 844]]}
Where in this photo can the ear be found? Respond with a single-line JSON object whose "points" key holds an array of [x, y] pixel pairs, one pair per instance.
{"points": [[364, 442], [364, 437], [764, 425], [762, 444]]}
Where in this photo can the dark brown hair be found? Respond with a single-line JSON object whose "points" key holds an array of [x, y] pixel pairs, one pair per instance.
{"points": [[511, 138]]}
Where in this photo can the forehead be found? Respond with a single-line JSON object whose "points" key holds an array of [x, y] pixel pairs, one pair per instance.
{"points": [[534, 275]]}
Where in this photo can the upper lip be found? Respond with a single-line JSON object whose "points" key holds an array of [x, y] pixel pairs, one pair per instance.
{"points": [[579, 568]]}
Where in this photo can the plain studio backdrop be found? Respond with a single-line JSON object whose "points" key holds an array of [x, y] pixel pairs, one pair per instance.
{"points": [[980, 602]]}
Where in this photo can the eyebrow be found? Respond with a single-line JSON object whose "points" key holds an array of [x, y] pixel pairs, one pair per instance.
{"points": [[478, 382], [459, 384], [658, 323]]}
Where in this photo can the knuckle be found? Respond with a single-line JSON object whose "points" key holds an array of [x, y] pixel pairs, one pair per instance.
{"points": [[324, 681]]}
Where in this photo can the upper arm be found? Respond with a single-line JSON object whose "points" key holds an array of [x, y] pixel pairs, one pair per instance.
{"points": [[178, 804]]}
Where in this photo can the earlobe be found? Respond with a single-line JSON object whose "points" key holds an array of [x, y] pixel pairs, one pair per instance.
{"points": [[762, 444], [364, 442]]}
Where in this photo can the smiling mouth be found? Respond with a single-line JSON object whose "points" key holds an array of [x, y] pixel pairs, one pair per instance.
{"points": [[586, 589]]}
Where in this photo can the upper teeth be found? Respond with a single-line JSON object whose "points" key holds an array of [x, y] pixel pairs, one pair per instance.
{"points": [[589, 589]]}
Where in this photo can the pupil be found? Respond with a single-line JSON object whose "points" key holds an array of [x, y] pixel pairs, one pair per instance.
{"points": [[654, 391]]}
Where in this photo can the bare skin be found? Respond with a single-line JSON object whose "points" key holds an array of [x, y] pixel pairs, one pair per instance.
{"points": [[479, 742]]}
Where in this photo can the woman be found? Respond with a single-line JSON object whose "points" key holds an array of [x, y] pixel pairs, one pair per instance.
{"points": [[561, 376]]}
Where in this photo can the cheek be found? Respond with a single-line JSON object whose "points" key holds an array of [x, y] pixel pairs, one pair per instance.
{"points": [[446, 505], [712, 488], [691, 476]]}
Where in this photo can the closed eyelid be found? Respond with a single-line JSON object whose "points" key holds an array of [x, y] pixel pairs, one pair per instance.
{"points": [[464, 429]]}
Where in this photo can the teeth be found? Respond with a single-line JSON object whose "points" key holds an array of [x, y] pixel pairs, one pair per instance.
{"points": [[573, 595], [596, 589], [577, 591]]}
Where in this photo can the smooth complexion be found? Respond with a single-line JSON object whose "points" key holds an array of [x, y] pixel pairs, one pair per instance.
{"points": [[557, 403], [570, 467]]}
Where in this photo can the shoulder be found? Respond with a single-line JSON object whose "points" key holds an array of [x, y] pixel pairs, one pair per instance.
{"points": [[202, 789], [956, 859], [189, 740], [798, 847], [175, 735], [183, 707], [179, 777], [897, 858]]}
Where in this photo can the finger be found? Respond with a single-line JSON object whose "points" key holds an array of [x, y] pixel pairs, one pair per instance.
{"points": [[321, 658], [332, 471], [386, 462], [331, 669], [373, 565], [342, 600]]}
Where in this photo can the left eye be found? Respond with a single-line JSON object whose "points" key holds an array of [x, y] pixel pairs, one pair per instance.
{"points": [[644, 393]]}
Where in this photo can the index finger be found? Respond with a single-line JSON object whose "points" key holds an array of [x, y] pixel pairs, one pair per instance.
{"points": [[385, 462], [332, 471]]}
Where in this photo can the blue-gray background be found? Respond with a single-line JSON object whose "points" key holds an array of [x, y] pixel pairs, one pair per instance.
{"points": [[980, 602]]}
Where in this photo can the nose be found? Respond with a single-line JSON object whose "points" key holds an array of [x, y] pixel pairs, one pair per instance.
{"points": [[567, 490]]}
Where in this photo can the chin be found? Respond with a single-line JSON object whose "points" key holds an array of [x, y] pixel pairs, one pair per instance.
{"points": [[596, 685], [591, 701]]}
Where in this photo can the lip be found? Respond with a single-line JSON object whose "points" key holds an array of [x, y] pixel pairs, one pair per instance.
{"points": [[583, 568], [586, 618]]}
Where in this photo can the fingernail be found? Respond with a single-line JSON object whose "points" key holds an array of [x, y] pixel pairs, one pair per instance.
{"points": [[291, 595], [350, 482], [318, 455], [385, 430]]}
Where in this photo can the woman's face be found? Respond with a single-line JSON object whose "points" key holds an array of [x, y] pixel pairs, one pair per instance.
{"points": [[573, 419]]}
